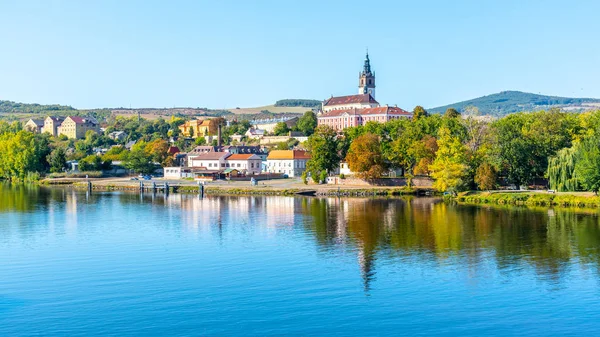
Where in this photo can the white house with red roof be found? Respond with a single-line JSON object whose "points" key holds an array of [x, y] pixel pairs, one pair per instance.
{"points": [[246, 163]]}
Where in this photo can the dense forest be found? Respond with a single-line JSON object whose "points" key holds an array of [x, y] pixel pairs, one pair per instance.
{"points": [[507, 102], [307, 103]]}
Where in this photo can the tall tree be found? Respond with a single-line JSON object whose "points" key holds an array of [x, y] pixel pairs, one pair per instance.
{"points": [[419, 112], [365, 157], [486, 176], [587, 166], [281, 129], [307, 123], [449, 167], [323, 145], [561, 170], [57, 160]]}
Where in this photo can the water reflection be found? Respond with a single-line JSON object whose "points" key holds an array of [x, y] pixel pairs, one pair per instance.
{"points": [[423, 229]]}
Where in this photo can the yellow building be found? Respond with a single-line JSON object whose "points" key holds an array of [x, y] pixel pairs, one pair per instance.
{"points": [[76, 127], [51, 125], [197, 128]]}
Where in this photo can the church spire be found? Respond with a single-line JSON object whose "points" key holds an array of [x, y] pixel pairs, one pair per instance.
{"points": [[367, 66], [366, 78]]}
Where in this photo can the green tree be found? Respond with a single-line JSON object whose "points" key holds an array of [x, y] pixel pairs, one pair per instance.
{"points": [[22, 153], [587, 166], [307, 123], [139, 160], [200, 141], [561, 170], [419, 112], [90, 163], [323, 145], [365, 157], [282, 146], [451, 113], [57, 160], [281, 129]]}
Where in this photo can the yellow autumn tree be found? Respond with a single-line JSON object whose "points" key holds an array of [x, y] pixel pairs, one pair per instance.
{"points": [[449, 167]]}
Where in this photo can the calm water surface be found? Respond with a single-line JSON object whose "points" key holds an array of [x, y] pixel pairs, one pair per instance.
{"points": [[119, 264]]}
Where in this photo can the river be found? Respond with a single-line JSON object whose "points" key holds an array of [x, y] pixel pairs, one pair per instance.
{"points": [[120, 264]]}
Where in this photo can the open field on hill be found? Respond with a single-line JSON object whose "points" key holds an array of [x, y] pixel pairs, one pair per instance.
{"points": [[271, 108]]}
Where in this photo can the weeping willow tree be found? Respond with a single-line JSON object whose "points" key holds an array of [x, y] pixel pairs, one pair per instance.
{"points": [[561, 170]]}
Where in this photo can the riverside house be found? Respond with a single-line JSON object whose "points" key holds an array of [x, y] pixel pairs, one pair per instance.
{"points": [[209, 160], [290, 162], [246, 163]]}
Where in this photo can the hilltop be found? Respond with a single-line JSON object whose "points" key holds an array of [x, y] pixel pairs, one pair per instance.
{"points": [[506, 102]]}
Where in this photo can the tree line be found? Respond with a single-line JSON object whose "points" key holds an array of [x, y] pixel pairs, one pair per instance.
{"points": [[469, 151]]}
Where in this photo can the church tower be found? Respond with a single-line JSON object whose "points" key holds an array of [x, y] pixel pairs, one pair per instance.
{"points": [[366, 79]]}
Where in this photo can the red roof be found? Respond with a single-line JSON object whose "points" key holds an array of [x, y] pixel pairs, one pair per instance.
{"points": [[241, 156], [351, 99], [382, 110], [173, 150]]}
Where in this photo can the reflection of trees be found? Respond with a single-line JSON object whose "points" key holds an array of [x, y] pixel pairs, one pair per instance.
{"points": [[547, 240], [544, 239]]}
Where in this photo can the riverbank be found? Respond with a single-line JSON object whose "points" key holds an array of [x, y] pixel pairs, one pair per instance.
{"points": [[284, 187], [531, 198]]}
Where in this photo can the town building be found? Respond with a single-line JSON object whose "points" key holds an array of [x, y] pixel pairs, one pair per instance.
{"points": [[269, 125], [346, 118], [118, 136], [197, 128], [51, 124], [178, 172], [209, 160], [354, 110], [75, 127], [290, 162], [34, 125], [233, 149], [253, 133], [246, 163]]}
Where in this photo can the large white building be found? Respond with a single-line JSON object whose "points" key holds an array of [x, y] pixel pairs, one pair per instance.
{"points": [[290, 162]]}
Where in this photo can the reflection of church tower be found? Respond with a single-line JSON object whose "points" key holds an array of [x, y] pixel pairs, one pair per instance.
{"points": [[366, 260], [366, 79]]}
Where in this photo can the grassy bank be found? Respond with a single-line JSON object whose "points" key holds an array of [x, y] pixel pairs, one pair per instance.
{"points": [[530, 199], [321, 190]]}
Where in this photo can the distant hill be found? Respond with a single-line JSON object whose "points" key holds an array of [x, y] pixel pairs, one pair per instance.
{"points": [[14, 107], [305, 103], [507, 102], [22, 111]]}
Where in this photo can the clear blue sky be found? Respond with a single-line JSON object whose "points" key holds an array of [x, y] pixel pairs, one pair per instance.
{"points": [[223, 54]]}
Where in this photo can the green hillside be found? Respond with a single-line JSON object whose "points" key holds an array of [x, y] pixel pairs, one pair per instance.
{"points": [[14, 107], [507, 102]]}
